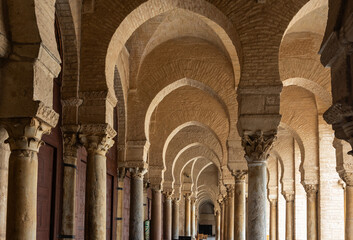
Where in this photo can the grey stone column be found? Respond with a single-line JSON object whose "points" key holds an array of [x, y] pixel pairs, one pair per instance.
{"points": [[167, 219], [136, 229], [24, 140], [312, 224], [175, 222], [120, 204], [289, 215], [97, 139], [187, 214], [218, 225], [230, 221], [156, 216], [70, 147], [239, 205], [273, 218], [4, 172], [256, 148]]}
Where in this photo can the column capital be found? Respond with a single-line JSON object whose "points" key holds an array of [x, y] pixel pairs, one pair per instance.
{"points": [[311, 189], [71, 140], [347, 177], [97, 138], [25, 133], [137, 172], [289, 196], [239, 175], [257, 145], [168, 194], [121, 173], [273, 200]]}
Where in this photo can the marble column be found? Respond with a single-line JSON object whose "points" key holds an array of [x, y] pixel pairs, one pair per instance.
{"points": [[120, 204], [156, 216], [187, 215], [136, 229], [24, 140], [226, 213], [349, 211], [256, 148], [289, 215], [70, 147], [239, 205], [97, 139], [273, 218], [193, 218], [175, 222], [312, 224], [221, 204], [167, 219], [230, 221], [218, 225], [4, 172]]}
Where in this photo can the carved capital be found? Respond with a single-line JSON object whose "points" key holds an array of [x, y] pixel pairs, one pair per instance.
{"points": [[25, 134], [70, 140], [121, 172], [347, 177], [137, 172], [257, 146], [289, 196], [187, 195], [239, 175], [311, 189], [47, 115], [168, 193], [97, 138]]}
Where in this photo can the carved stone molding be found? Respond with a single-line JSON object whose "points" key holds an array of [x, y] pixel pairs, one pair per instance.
{"points": [[100, 95], [311, 189], [71, 102], [168, 193], [47, 115], [70, 140], [257, 146], [239, 175], [121, 173], [97, 137], [347, 177], [25, 134]]}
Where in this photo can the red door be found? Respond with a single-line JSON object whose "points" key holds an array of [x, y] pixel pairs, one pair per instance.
{"points": [[45, 184]]}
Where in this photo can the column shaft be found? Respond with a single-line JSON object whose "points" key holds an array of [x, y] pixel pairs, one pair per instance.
{"points": [[290, 218], [231, 213], [312, 230], [349, 213], [226, 213], [136, 229], [175, 222], [120, 208], [4, 170], [187, 215], [96, 184], [167, 220], [218, 225], [156, 218], [257, 200], [273, 219], [193, 219], [222, 220], [239, 210], [68, 224]]}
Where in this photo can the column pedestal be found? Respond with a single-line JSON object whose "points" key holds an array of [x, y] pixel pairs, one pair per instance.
{"points": [[311, 192], [175, 222], [273, 219], [156, 218]]}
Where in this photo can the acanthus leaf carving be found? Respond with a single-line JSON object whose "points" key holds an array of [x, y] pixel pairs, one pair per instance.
{"points": [[257, 146]]}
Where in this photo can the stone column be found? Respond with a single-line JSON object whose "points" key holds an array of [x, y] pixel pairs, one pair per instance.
{"points": [[289, 215], [187, 215], [256, 148], [349, 210], [193, 219], [25, 140], [175, 222], [230, 221], [97, 139], [120, 204], [312, 224], [218, 225], [226, 213], [4, 172], [273, 218], [221, 204], [70, 147], [156, 216], [239, 205], [136, 229], [167, 219]]}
